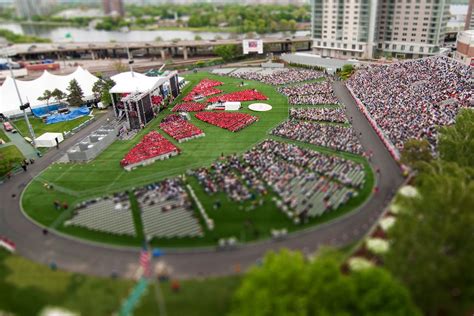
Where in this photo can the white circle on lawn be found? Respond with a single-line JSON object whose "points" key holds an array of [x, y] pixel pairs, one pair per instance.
{"points": [[260, 107]]}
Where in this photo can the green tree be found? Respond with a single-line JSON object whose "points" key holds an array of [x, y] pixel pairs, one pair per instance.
{"points": [[287, 284], [416, 152], [456, 142], [101, 90], [432, 242], [227, 52], [47, 95], [75, 95], [58, 95], [119, 66]]}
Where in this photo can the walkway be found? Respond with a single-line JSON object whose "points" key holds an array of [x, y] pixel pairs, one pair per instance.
{"points": [[103, 260], [26, 149]]}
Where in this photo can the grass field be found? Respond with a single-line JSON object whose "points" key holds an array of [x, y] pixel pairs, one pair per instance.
{"points": [[9, 157], [76, 182], [28, 287], [4, 136], [40, 128]]}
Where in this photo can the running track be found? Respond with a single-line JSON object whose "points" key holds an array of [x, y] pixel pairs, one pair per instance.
{"points": [[82, 257]]}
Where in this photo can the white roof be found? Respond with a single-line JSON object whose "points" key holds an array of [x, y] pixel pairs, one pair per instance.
{"points": [[128, 82], [50, 136], [33, 89]]}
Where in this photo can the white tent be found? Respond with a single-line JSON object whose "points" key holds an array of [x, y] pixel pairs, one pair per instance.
{"points": [[128, 82], [49, 139], [31, 90]]}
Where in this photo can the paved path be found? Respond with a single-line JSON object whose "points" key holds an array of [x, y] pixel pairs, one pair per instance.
{"points": [[103, 260], [26, 149]]}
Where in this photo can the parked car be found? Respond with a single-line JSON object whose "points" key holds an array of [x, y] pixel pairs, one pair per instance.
{"points": [[8, 127]]}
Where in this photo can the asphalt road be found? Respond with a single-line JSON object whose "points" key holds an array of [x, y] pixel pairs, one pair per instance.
{"points": [[95, 259]]}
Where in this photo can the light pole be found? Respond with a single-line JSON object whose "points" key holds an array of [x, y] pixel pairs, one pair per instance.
{"points": [[23, 107]]}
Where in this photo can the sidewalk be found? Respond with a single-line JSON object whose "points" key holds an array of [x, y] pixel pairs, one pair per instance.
{"points": [[26, 149]]}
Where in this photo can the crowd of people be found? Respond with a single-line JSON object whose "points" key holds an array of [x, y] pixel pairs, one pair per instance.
{"points": [[203, 89], [307, 89], [334, 115], [164, 191], [233, 122], [239, 96], [153, 145], [179, 128], [306, 181], [279, 77], [411, 99], [310, 93], [223, 176], [331, 136], [189, 107]]}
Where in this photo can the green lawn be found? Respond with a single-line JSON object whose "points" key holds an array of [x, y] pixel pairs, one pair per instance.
{"points": [[76, 182], [40, 128], [4, 136], [27, 287], [9, 157]]}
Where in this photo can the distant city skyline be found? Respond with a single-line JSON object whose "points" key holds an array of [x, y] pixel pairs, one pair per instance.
{"points": [[157, 2], [113, 7]]}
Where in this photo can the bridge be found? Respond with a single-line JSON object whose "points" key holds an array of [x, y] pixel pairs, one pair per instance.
{"points": [[163, 50]]}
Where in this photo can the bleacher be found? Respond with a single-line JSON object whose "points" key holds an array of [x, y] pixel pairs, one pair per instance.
{"points": [[167, 211], [110, 215], [316, 196]]}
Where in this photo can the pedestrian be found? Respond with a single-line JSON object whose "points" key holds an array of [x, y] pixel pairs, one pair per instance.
{"points": [[175, 286], [57, 205], [23, 165], [65, 205], [57, 142]]}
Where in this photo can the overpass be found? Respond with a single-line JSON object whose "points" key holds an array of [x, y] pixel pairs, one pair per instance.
{"points": [[163, 50]]}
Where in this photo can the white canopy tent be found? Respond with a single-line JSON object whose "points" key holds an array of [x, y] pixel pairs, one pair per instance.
{"points": [[31, 90], [130, 82], [49, 139]]}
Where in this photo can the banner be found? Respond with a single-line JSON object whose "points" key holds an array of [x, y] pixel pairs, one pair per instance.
{"points": [[252, 46]]}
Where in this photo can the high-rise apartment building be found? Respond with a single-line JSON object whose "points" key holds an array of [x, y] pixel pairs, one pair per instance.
{"points": [[370, 28], [113, 7], [470, 16], [28, 8]]}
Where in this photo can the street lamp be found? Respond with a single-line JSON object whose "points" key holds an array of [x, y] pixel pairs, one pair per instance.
{"points": [[7, 53]]}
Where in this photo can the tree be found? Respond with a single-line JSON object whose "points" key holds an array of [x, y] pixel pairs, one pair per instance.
{"points": [[101, 90], [287, 284], [432, 242], [75, 95], [416, 152], [456, 142], [47, 95], [58, 95], [226, 52], [119, 66]]}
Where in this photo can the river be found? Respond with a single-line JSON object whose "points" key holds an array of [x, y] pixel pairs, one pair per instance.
{"points": [[59, 34]]}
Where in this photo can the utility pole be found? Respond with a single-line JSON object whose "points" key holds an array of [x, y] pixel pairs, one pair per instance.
{"points": [[23, 107], [130, 61]]}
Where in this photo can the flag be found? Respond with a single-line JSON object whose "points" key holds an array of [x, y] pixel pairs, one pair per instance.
{"points": [[145, 261]]}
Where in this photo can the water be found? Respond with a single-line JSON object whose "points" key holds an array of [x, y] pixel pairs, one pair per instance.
{"points": [[58, 34]]}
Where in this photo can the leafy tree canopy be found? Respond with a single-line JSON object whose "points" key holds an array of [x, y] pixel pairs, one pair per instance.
{"points": [[75, 95], [287, 284], [416, 152], [456, 142], [227, 52], [433, 241]]}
